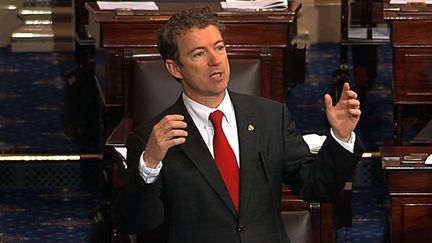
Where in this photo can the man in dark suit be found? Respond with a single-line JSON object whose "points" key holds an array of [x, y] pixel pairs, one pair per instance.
{"points": [[174, 175]]}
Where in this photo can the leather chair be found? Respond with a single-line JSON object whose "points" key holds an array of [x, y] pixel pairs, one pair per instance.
{"points": [[152, 89]]}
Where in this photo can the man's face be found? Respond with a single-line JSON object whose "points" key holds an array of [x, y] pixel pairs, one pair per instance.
{"points": [[204, 67]]}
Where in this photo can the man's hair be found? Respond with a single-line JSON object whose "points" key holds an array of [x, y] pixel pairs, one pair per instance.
{"points": [[199, 17]]}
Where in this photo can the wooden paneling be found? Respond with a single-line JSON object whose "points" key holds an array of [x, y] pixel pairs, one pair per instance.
{"points": [[409, 215], [412, 32], [410, 188], [413, 78], [409, 181]]}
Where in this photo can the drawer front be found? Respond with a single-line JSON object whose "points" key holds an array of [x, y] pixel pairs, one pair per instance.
{"points": [[413, 76], [412, 32], [411, 219], [241, 35], [409, 181]]}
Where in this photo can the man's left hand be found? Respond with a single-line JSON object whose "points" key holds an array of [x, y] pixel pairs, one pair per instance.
{"points": [[344, 116]]}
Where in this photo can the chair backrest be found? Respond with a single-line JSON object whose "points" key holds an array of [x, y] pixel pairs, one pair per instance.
{"points": [[154, 89]]}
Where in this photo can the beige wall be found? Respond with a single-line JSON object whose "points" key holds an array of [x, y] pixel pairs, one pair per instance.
{"points": [[321, 19], [9, 20]]}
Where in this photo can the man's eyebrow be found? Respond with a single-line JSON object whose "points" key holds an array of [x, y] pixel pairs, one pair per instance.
{"points": [[196, 48], [219, 41], [203, 47]]}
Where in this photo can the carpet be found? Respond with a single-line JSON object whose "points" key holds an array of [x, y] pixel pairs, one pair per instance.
{"points": [[32, 98]]}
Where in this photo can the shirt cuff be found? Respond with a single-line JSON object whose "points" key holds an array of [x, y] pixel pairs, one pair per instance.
{"points": [[347, 145], [149, 175]]}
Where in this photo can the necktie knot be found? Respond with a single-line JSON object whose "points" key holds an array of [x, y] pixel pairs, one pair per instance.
{"points": [[216, 118]]}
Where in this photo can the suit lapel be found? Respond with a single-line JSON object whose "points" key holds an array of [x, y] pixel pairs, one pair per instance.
{"points": [[197, 151], [247, 127]]}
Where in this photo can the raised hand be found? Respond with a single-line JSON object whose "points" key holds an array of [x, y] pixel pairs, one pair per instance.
{"points": [[344, 116], [168, 132]]}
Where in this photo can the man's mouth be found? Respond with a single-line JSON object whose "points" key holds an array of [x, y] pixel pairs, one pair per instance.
{"points": [[216, 75]]}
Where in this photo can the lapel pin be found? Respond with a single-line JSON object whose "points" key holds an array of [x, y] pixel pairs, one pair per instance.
{"points": [[251, 127]]}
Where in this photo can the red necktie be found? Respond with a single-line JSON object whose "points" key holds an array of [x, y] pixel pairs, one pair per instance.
{"points": [[225, 158]]}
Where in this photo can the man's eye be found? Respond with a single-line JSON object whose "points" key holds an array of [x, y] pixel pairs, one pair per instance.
{"points": [[198, 54], [220, 48]]}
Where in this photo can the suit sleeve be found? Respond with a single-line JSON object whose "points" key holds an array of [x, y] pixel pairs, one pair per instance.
{"points": [[321, 177], [139, 206]]}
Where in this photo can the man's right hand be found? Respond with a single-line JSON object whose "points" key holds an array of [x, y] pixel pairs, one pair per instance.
{"points": [[168, 132]]}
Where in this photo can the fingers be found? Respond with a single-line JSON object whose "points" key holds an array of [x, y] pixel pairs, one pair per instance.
{"points": [[353, 106], [348, 97], [170, 122], [346, 86], [353, 103], [347, 93], [168, 132], [351, 94], [344, 94], [328, 101], [348, 101], [355, 112]]}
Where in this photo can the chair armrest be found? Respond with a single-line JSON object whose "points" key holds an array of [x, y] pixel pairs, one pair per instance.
{"points": [[115, 163], [119, 134], [290, 202], [301, 213]]}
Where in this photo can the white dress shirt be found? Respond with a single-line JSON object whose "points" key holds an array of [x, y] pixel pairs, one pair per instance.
{"points": [[200, 115]]}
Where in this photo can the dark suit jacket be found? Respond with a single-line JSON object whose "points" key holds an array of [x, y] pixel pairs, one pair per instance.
{"points": [[190, 195]]}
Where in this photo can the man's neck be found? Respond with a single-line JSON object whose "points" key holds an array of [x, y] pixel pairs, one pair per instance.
{"points": [[209, 101]]}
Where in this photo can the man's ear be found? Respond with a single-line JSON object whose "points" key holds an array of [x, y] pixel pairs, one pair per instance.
{"points": [[173, 68]]}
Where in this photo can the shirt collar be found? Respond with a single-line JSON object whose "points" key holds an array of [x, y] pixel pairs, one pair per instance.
{"points": [[200, 113]]}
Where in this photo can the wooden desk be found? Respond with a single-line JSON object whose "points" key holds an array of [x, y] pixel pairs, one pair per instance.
{"points": [[268, 33], [410, 189], [411, 38]]}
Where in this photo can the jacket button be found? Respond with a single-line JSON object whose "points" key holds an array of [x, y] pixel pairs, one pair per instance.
{"points": [[241, 229]]}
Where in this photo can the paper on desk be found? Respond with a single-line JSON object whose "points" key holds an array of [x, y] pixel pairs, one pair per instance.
{"points": [[254, 4], [398, 1], [123, 152], [314, 142], [410, 1], [380, 33], [105, 5], [357, 33]]}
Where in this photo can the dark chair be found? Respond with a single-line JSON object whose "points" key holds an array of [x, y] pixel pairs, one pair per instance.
{"points": [[152, 89]]}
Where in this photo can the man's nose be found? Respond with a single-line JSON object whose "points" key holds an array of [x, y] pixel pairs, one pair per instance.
{"points": [[215, 58]]}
